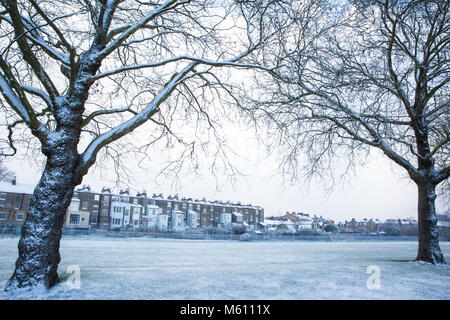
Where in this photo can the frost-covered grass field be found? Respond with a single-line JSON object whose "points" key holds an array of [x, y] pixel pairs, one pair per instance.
{"points": [[143, 268]]}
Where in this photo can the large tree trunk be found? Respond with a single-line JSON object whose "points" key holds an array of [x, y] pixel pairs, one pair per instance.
{"points": [[429, 250], [37, 264]]}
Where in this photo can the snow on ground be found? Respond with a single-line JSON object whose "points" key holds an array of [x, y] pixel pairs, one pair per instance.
{"points": [[147, 268]]}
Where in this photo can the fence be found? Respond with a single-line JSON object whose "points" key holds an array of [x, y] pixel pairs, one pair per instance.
{"points": [[11, 231]]}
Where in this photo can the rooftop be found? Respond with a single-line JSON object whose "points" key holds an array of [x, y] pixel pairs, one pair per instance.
{"points": [[6, 186]]}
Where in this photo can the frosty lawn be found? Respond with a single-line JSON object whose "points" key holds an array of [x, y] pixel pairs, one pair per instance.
{"points": [[182, 269]]}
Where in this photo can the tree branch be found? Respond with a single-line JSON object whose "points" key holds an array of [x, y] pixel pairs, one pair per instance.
{"points": [[89, 155]]}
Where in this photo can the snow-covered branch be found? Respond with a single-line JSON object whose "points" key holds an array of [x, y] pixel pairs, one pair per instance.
{"points": [[26, 51], [226, 63], [98, 113]]}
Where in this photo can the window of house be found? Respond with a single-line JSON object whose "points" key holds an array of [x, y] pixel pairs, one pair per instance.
{"points": [[19, 216], [2, 205], [191, 206], [2, 196], [169, 204], [224, 209], [118, 209], [184, 205], [93, 220], [199, 207], [74, 219], [115, 222], [176, 206], [211, 208], [106, 201], [2, 215], [104, 212], [17, 205], [96, 197], [84, 205]]}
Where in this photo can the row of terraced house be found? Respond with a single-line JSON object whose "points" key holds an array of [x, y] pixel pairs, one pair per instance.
{"points": [[106, 210]]}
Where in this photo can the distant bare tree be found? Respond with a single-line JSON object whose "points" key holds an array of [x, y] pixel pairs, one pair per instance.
{"points": [[366, 75], [80, 75], [5, 174]]}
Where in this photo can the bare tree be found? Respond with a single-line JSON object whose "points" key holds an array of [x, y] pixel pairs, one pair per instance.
{"points": [[369, 75], [80, 75], [5, 174]]}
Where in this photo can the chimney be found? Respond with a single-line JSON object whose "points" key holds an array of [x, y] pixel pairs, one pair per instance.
{"points": [[106, 190], [14, 181]]}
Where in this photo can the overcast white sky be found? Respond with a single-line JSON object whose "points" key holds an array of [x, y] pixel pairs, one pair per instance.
{"points": [[376, 191]]}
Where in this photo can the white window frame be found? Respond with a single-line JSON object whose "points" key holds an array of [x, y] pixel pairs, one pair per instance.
{"points": [[74, 215]]}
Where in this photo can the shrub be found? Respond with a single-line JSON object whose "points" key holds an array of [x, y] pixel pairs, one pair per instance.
{"points": [[245, 237], [240, 229]]}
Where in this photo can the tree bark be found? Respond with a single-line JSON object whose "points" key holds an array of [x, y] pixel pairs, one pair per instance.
{"points": [[429, 250], [38, 246]]}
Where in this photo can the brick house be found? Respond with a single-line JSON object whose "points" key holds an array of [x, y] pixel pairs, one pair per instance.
{"points": [[77, 216], [89, 203], [106, 210], [14, 202]]}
